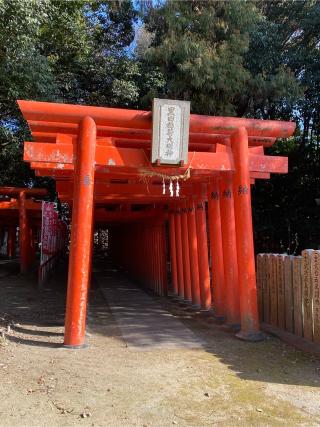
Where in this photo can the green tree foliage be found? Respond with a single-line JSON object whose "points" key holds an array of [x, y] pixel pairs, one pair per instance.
{"points": [[199, 46], [24, 71], [62, 51], [223, 56], [109, 77], [291, 36]]}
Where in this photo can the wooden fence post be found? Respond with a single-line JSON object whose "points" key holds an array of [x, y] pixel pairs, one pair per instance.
{"points": [[297, 295], [288, 292], [273, 291], [315, 273], [280, 291], [307, 294]]}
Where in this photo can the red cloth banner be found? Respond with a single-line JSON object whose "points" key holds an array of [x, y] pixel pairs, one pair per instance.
{"points": [[50, 226], [53, 232]]}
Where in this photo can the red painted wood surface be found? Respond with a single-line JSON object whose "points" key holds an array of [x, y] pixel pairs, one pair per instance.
{"points": [[81, 236]]}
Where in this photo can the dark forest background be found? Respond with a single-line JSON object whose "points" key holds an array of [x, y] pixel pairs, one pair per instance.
{"points": [[256, 59]]}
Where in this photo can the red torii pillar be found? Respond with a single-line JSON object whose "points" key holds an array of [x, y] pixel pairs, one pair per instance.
{"points": [[216, 251], [193, 252], [32, 247], [163, 260], [11, 248], [24, 233], [229, 245], [204, 274], [173, 253], [244, 233], [81, 236], [185, 254], [178, 228]]}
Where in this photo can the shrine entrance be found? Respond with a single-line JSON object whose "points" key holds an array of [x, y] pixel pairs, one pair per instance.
{"points": [[190, 222]]}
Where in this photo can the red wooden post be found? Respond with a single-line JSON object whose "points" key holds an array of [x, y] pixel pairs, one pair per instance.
{"points": [[229, 246], [151, 231], [214, 219], [24, 235], [173, 253], [157, 256], [193, 251], [147, 265], [164, 262], [153, 263], [154, 258], [179, 253], [91, 255], [246, 260], [160, 258], [185, 253], [32, 248], [203, 260], [11, 248], [147, 273], [81, 235]]}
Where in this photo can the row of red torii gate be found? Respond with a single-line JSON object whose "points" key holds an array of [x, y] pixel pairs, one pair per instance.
{"points": [[196, 215]]}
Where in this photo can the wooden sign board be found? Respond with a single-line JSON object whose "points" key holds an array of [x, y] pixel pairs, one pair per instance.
{"points": [[315, 277], [170, 131], [297, 295], [307, 294]]}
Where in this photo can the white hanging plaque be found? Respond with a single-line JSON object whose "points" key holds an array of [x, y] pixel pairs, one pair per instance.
{"points": [[170, 131]]}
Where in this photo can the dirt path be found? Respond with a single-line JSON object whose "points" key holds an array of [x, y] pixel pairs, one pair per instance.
{"points": [[228, 383]]}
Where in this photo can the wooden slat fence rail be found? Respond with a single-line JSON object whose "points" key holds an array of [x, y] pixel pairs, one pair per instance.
{"points": [[289, 292]]}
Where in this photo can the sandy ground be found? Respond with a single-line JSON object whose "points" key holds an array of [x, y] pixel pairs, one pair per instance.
{"points": [[228, 383]]}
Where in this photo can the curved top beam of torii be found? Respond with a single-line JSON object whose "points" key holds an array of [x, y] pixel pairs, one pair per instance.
{"points": [[37, 112], [124, 138]]}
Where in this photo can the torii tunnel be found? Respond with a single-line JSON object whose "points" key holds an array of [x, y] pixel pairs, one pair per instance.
{"points": [[19, 209], [100, 159]]}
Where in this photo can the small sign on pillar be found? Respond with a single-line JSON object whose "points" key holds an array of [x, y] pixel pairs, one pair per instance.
{"points": [[170, 131]]}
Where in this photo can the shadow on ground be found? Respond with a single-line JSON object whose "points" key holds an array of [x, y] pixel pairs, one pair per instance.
{"points": [[27, 314], [33, 318]]}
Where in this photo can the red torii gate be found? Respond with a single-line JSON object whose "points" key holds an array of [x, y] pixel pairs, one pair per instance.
{"points": [[24, 212], [99, 156]]}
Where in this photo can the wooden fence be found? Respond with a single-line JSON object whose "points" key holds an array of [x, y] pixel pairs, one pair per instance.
{"points": [[289, 292]]}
